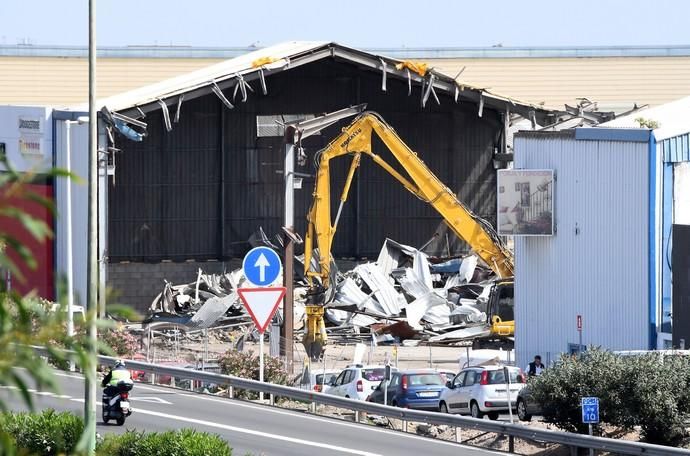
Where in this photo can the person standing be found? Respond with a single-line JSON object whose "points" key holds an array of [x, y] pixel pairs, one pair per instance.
{"points": [[536, 367]]}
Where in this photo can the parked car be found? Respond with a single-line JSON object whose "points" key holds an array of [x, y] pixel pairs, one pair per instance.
{"points": [[415, 389], [357, 381], [318, 381], [526, 406], [446, 374], [481, 390]]}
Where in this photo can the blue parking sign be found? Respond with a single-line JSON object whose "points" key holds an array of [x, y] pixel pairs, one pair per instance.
{"points": [[590, 410]]}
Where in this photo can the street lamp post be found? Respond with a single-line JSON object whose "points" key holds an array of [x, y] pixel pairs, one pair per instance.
{"points": [[92, 271]]}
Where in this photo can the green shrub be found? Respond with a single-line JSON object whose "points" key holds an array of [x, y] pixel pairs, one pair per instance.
{"points": [[246, 365], [45, 433], [185, 442], [650, 391]]}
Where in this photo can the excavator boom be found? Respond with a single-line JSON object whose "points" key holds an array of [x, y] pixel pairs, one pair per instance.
{"points": [[356, 140]]}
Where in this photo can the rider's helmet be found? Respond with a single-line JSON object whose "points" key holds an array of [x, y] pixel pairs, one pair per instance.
{"points": [[119, 363]]}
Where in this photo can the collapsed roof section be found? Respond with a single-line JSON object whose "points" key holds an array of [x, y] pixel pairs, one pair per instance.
{"points": [[236, 74]]}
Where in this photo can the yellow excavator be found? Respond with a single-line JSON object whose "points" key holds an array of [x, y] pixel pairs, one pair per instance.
{"points": [[355, 140]]}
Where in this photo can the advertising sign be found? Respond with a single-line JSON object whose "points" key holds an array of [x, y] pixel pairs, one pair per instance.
{"points": [[30, 135], [525, 202]]}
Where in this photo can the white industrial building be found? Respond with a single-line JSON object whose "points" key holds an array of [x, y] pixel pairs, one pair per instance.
{"points": [[600, 263], [620, 254]]}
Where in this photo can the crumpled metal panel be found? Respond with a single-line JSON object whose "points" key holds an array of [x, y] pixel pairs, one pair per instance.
{"points": [[464, 333], [390, 301], [341, 317], [212, 310], [467, 268], [394, 255], [413, 284], [349, 294], [467, 307], [438, 315], [421, 269], [421, 308]]}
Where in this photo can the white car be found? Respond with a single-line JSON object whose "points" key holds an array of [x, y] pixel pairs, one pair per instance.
{"points": [[318, 380], [357, 381], [481, 390]]}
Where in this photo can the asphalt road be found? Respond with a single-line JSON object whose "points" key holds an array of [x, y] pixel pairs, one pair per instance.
{"points": [[249, 428]]}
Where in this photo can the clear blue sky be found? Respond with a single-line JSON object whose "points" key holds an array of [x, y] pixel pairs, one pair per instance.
{"points": [[370, 23]]}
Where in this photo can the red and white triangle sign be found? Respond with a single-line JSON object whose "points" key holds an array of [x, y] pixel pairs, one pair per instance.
{"points": [[261, 303]]}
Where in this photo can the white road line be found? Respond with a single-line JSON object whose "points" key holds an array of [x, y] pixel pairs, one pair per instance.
{"points": [[257, 433], [292, 414]]}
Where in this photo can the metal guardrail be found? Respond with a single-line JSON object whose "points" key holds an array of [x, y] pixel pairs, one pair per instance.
{"points": [[406, 415]]}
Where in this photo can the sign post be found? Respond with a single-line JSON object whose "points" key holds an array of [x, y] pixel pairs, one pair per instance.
{"points": [[590, 414], [261, 267]]}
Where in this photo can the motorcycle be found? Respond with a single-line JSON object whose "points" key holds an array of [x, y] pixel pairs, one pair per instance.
{"points": [[118, 406]]}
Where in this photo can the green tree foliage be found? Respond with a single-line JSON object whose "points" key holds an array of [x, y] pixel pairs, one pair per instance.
{"points": [[25, 321], [651, 391]]}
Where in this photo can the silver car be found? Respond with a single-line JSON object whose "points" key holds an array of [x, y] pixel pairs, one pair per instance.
{"points": [[482, 390]]}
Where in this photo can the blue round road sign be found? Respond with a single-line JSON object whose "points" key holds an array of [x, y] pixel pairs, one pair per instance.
{"points": [[261, 266]]}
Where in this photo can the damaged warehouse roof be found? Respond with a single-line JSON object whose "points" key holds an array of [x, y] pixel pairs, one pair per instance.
{"points": [[238, 72]]}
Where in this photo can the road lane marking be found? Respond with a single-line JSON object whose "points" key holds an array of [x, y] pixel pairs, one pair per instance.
{"points": [[257, 433], [293, 414], [155, 400]]}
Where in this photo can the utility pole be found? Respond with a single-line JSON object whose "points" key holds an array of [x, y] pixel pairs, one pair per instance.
{"points": [[93, 276], [294, 133], [286, 348]]}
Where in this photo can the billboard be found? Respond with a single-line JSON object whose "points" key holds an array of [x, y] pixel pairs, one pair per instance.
{"points": [[525, 202]]}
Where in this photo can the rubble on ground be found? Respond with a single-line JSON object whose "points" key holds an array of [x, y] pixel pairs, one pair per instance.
{"points": [[403, 297]]}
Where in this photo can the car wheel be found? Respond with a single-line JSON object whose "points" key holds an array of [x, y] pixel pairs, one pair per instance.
{"points": [[443, 408], [474, 410], [522, 411], [493, 416]]}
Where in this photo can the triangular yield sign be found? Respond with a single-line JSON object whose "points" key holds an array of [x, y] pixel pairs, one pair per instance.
{"points": [[261, 303]]}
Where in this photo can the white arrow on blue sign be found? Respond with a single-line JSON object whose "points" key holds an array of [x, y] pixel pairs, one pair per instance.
{"points": [[590, 410], [261, 266]]}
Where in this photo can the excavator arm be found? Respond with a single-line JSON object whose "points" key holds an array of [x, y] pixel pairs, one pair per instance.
{"points": [[356, 140]]}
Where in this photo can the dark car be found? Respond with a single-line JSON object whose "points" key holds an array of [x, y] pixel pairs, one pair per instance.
{"points": [[415, 389], [526, 406]]}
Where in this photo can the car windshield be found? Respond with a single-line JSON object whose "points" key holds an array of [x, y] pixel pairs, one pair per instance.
{"points": [[325, 378], [373, 375], [426, 379], [497, 377]]}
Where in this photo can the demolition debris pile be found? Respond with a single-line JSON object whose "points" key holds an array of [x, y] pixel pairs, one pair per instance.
{"points": [[403, 297]]}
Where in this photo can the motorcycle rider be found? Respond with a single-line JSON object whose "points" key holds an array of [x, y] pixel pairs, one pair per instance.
{"points": [[117, 374]]}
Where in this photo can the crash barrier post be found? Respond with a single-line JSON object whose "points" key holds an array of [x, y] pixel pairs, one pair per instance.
{"points": [[511, 429]]}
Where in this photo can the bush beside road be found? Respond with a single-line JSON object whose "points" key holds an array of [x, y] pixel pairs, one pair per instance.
{"points": [[648, 392], [50, 433]]}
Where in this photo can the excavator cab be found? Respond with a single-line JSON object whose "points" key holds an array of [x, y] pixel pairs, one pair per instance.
{"points": [[501, 309]]}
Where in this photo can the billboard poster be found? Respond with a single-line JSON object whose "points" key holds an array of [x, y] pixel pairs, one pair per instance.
{"points": [[30, 135], [525, 202]]}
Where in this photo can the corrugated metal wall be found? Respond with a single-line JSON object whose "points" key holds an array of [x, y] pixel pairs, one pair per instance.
{"points": [[597, 263], [167, 200]]}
